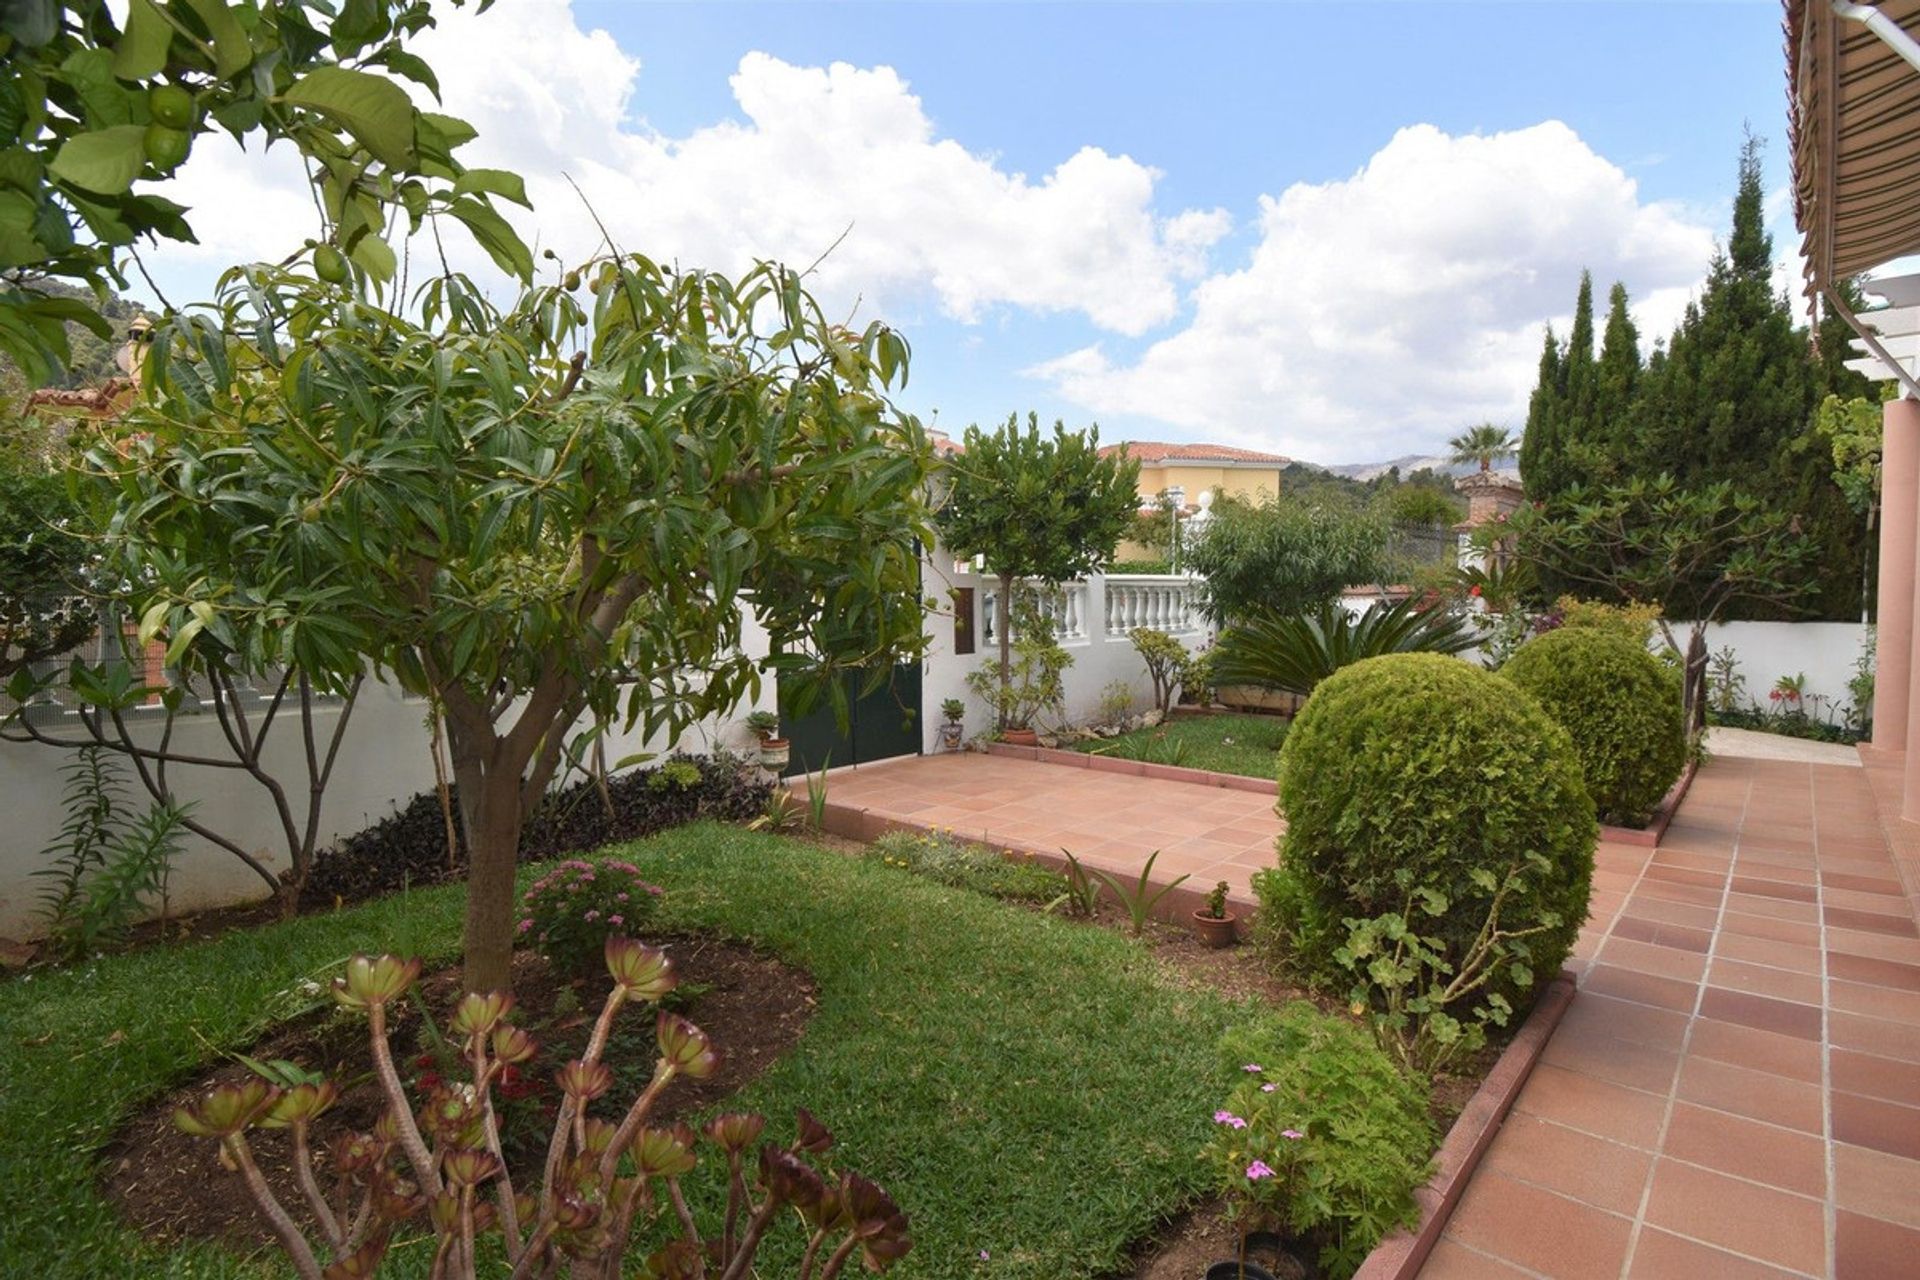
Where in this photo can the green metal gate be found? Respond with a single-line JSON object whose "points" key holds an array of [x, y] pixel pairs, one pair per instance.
{"points": [[881, 724]]}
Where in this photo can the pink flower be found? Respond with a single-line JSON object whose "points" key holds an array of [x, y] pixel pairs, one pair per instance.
{"points": [[984, 1255], [1268, 1088], [616, 920], [1253, 1066], [591, 915], [525, 925], [1292, 1135], [1258, 1170], [619, 897], [1229, 1119]]}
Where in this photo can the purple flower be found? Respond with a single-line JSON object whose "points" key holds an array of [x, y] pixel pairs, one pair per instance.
{"points": [[525, 925], [1292, 1135], [1258, 1170], [1268, 1088], [984, 1255], [1229, 1119], [1253, 1066]]}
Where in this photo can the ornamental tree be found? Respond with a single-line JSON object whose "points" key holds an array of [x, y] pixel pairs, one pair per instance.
{"points": [[1692, 552], [43, 612], [1285, 557], [1038, 508], [523, 531], [96, 107]]}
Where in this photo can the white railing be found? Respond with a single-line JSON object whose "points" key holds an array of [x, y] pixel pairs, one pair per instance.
{"points": [[1107, 607], [1162, 601]]}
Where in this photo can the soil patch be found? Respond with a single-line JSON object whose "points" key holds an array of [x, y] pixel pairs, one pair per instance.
{"points": [[171, 1186], [1203, 1236]]}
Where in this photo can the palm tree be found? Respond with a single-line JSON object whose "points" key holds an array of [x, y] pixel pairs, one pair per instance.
{"points": [[1483, 444]]}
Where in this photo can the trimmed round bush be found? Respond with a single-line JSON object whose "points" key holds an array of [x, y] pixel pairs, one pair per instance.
{"points": [[1620, 705], [1419, 772]]}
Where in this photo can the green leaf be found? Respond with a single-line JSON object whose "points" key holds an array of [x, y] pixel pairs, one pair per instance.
{"points": [[495, 182], [375, 111], [142, 51], [502, 243], [232, 51], [31, 22], [105, 161]]}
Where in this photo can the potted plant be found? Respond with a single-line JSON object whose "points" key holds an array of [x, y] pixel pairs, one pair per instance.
{"points": [[1213, 921], [954, 710], [765, 725], [1033, 683]]}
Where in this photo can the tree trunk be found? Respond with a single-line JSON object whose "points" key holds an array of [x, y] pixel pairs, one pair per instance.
{"points": [[1693, 684], [1003, 632], [493, 851]]}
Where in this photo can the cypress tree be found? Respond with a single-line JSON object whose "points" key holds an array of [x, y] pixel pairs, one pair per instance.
{"points": [[1538, 445]]}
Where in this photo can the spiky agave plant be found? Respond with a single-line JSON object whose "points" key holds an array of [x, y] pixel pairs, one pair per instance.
{"points": [[1295, 653], [600, 1176]]}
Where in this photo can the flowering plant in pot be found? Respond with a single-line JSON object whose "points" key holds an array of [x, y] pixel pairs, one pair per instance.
{"points": [[954, 710], [1214, 922], [765, 725], [1033, 684]]}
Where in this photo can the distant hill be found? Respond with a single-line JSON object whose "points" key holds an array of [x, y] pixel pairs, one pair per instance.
{"points": [[1408, 464]]}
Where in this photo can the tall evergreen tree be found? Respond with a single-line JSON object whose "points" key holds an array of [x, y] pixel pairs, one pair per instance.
{"points": [[1539, 446]]}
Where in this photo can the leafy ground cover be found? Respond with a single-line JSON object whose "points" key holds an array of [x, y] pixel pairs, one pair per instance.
{"points": [[1032, 1091], [1242, 744]]}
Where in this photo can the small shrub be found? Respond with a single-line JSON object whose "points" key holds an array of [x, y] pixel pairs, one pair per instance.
{"points": [[1417, 774], [1319, 1135], [441, 1159], [1196, 678], [1165, 658], [571, 911], [1631, 621], [674, 775], [1036, 676], [1116, 702], [941, 857], [1620, 706]]}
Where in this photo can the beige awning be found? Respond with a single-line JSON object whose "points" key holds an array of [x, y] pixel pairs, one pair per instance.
{"points": [[1854, 113]]}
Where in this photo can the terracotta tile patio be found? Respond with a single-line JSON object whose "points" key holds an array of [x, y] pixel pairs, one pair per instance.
{"points": [[1108, 820], [1736, 1089]]}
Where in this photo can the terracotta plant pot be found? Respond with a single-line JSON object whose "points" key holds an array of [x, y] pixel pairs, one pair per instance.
{"points": [[1215, 931], [1020, 737], [774, 753]]}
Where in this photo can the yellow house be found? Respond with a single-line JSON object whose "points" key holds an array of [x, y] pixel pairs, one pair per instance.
{"points": [[1192, 469], [1244, 473]]}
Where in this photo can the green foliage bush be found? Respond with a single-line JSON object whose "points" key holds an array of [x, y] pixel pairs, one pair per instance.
{"points": [[573, 909], [1320, 1134], [1620, 705], [1417, 774], [1295, 653], [961, 864]]}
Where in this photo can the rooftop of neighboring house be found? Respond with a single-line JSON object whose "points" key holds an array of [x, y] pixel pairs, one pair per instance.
{"points": [[1156, 453]]}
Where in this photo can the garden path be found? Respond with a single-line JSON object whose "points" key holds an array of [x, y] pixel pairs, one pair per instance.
{"points": [[1108, 820], [1735, 1090]]}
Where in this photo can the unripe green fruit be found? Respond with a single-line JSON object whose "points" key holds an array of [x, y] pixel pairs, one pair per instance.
{"points": [[165, 147], [170, 105], [572, 282], [329, 265]]}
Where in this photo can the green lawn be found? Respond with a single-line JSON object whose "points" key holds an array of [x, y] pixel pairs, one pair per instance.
{"points": [[1246, 745], [1022, 1084]]}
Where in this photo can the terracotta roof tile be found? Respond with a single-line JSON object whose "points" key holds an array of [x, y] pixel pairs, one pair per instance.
{"points": [[1153, 452]]}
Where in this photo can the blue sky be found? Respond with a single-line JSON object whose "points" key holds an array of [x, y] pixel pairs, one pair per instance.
{"points": [[1294, 272]]}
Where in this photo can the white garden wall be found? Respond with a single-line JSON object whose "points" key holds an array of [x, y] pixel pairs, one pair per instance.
{"points": [[383, 761], [1825, 652]]}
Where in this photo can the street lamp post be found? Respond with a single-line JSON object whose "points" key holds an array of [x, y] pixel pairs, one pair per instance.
{"points": [[1176, 498]]}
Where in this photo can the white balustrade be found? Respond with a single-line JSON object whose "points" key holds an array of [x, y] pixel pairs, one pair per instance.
{"points": [[1162, 602]]}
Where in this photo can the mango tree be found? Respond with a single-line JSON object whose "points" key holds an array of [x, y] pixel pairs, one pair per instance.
{"points": [[565, 508], [99, 102]]}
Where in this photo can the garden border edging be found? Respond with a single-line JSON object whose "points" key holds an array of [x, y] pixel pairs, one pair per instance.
{"points": [[1648, 837], [1401, 1255], [1135, 768]]}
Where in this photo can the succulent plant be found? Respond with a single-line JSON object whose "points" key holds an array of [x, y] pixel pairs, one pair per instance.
{"points": [[441, 1155]]}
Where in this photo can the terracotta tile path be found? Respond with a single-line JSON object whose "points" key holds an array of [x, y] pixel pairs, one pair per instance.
{"points": [[1108, 820], [1736, 1089]]}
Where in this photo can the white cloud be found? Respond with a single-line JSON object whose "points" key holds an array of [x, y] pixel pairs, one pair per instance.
{"points": [[820, 151], [1385, 311]]}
